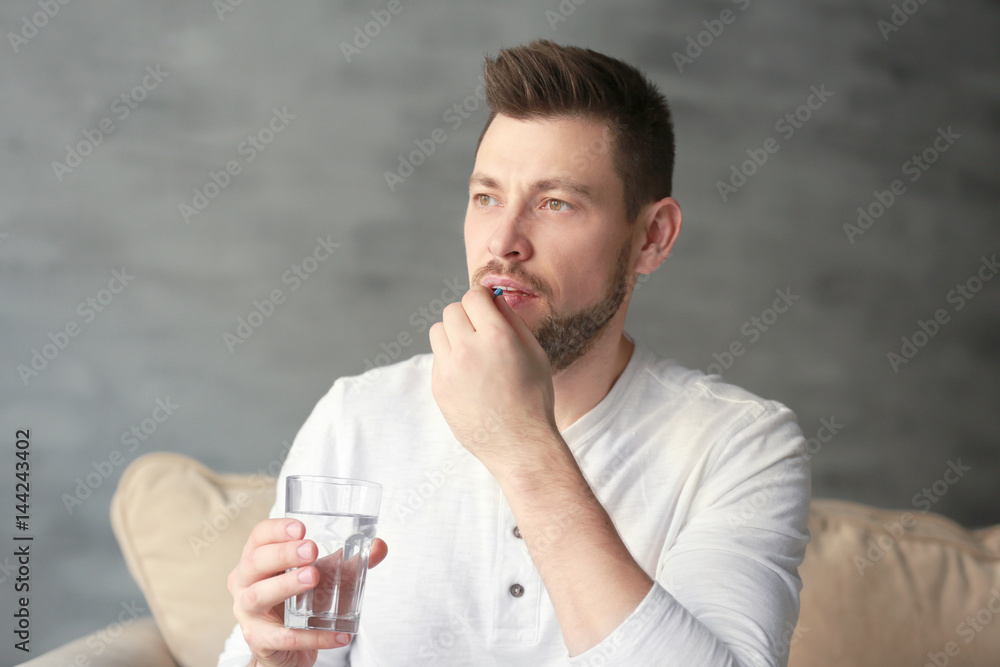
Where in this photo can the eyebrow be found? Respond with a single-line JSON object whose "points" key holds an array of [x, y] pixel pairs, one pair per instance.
{"points": [[554, 183]]}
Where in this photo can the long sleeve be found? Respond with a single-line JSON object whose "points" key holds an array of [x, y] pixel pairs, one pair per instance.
{"points": [[726, 590]]}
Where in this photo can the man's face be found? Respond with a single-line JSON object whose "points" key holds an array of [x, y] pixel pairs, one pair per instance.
{"points": [[546, 221]]}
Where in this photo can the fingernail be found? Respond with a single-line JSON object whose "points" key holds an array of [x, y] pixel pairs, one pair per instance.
{"points": [[497, 292], [304, 551], [293, 531], [343, 638], [305, 576]]}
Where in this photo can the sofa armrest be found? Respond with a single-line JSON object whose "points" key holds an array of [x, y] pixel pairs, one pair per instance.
{"points": [[140, 643]]}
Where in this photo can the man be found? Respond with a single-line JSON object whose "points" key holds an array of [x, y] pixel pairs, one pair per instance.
{"points": [[553, 492]]}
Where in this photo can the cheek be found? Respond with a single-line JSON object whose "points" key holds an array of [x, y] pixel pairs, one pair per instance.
{"points": [[476, 246], [592, 269], [473, 241]]}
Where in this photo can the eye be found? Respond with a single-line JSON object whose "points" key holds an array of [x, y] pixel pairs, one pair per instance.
{"points": [[557, 205], [485, 200]]}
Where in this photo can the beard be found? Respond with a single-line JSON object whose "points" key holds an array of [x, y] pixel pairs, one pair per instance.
{"points": [[568, 337]]}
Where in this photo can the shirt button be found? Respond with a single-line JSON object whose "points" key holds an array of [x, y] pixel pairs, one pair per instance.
{"points": [[517, 590], [517, 532]]}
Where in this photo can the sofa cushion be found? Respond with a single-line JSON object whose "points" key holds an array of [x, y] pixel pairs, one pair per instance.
{"points": [[138, 643], [896, 587], [880, 587], [182, 528]]}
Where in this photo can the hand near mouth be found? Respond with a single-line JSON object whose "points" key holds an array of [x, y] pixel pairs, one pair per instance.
{"points": [[492, 380]]}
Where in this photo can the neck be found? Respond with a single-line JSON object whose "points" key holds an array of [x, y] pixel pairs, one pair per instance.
{"points": [[589, 379]]}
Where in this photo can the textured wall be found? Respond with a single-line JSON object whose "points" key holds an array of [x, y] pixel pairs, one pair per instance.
{"points": [[197, 84]]}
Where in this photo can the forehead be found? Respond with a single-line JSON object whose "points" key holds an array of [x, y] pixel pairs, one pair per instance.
{"points": [[515, 150]]}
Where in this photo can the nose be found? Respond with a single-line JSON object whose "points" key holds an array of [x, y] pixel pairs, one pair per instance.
{"points": [[508, 240]]}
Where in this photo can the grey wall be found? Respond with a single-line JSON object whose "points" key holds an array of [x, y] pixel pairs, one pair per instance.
{"points": [[63, 235]]}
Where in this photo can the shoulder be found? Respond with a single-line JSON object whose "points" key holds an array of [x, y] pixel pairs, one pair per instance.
{"points": [[402, 375], [690, 389], [392, 385], [357, 403], [720, 414]]}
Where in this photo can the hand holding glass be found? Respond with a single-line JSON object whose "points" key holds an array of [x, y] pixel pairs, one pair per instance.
{"points": [[340, 516]]}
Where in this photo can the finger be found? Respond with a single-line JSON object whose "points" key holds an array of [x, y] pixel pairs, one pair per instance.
{"points": [[378, 553], [477, 306], [440, 345], [270, 559], [483, 307], [274, 637], [270, 531], [337, 577], [515, 321], [263, 596], [456, 321]]}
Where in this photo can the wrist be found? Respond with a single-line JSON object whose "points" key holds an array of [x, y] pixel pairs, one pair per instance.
{"points": [[537, 458]]}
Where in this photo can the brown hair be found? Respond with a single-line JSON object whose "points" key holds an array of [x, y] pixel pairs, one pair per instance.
{"points": [[546, 80]]}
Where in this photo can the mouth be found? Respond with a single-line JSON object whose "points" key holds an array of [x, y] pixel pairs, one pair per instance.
{"points": [[510, 287]]}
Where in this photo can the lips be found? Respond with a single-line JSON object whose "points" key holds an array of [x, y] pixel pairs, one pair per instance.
{"points": [[509, 287]]}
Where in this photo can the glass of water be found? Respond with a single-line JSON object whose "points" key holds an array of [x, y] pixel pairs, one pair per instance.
{"points": [[340, 516]]}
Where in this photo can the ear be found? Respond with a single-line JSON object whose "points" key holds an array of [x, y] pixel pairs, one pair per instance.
{"points": [[659, 224]]}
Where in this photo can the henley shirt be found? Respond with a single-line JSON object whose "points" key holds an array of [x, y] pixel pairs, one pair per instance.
{"points": [[707, 484]]}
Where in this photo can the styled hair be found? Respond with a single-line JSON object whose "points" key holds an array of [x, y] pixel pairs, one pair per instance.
{"points": [[546, 80]]}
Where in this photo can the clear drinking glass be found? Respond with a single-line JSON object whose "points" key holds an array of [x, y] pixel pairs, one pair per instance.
{"points": [[340, 516]]}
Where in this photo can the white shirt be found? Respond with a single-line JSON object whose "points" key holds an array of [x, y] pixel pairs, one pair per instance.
{"points": [[708, 486]]}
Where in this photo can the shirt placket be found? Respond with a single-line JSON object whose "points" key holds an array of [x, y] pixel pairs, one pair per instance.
{"points": [[517, 585]]}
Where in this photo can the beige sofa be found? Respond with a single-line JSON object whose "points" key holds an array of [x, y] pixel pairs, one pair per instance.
{"points": [[880, 587]]}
